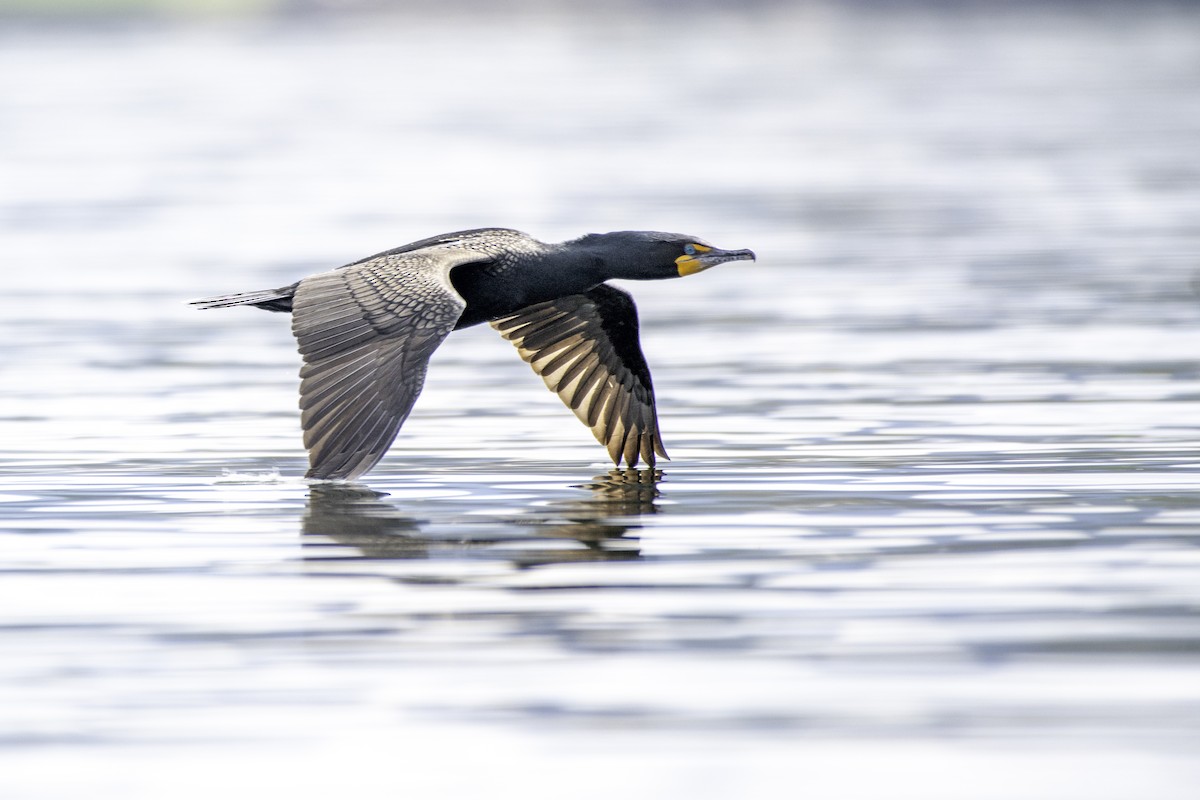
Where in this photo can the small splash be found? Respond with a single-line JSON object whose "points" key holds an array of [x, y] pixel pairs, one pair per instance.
{"points": [[230, 476]]}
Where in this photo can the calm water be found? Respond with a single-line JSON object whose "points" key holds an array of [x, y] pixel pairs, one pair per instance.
{"points": [[930, 528]]}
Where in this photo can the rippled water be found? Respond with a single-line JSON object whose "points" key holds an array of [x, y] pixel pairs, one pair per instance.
{"points": [[930, 528]]}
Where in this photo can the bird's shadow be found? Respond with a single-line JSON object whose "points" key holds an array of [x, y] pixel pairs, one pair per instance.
{"points": [[352, 521]]}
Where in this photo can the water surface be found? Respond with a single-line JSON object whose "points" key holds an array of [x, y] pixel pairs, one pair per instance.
{"points": [[930, 525]]}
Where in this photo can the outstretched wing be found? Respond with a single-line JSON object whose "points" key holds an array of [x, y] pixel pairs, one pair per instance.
{"points": [[366, 333], [585, 347]]}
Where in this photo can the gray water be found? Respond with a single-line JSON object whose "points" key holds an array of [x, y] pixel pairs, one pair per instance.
{"points": [[930, 525]]}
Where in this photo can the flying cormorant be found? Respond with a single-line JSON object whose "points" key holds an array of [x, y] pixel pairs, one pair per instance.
{"points": [[366, 331]]}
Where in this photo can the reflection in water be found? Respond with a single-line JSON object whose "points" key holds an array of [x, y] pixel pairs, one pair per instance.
{"points": [[354, 516]]}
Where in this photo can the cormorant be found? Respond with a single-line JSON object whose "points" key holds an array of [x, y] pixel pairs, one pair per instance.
{"points": [[366, 331]]}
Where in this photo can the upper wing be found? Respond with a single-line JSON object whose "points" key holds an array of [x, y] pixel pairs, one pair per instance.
{"points": [[585, 347], [366, 333]]}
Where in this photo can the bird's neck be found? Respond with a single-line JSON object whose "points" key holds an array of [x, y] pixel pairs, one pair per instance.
{"points": [[567, 271], [595, 262]]}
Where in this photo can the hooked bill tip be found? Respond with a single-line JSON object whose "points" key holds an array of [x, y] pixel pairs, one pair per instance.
{"points": [[738, 255]]}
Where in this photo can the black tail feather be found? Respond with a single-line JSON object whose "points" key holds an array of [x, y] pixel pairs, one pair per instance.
{"points": [[269, 299]]}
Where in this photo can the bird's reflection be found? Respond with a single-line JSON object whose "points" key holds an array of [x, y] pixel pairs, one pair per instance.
{"points": [[341, 516], [355, 516]]}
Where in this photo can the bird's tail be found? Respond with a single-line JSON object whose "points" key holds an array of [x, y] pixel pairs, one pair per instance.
{"points": [[270, 299]]}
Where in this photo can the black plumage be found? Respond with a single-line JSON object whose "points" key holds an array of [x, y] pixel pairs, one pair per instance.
{"points": [[366, 331]]}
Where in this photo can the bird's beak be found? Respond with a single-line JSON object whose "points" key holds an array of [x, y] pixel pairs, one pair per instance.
{"points": [[706, 257]]}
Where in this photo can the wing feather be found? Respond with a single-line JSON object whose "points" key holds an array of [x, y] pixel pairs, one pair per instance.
{"points": [[366, 333], [586, 386], [586, 349]]}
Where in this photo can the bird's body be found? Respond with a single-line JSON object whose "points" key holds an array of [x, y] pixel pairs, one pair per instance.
{"points": [[366, 331]]}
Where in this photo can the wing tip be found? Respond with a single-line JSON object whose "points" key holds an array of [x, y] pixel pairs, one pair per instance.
{"points": [[341, 470], [645, 447]]}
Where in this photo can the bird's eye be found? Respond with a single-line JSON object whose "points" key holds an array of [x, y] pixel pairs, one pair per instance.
{"points": [[690, 249]]}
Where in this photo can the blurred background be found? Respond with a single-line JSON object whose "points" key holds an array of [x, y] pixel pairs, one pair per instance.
{"points": [[930, 528]]}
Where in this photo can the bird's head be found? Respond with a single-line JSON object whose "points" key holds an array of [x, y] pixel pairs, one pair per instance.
{"points": [[652, 255]]}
